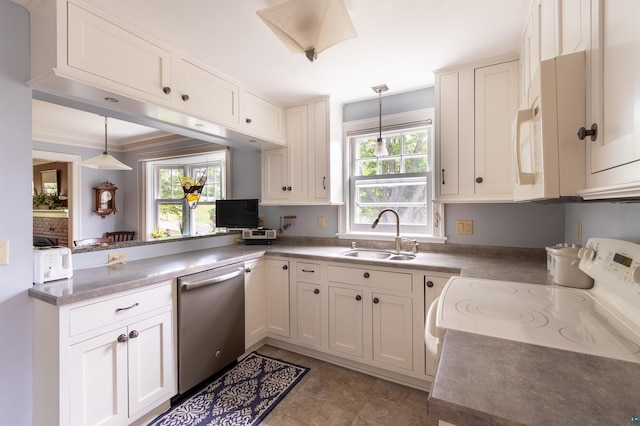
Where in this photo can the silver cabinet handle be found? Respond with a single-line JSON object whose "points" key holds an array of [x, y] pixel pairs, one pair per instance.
{"points": [[133, 334], [122, 338], [128, 307]]}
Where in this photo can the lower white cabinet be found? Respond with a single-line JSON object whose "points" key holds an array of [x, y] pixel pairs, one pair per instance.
{"points": [[346, 316], [266, 299], [309, 324], [393, 330], [106, 361]]}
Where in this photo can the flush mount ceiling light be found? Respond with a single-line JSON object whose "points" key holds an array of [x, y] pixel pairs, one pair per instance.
{"points": [[309, 26], [381, 148], [105, 161]]}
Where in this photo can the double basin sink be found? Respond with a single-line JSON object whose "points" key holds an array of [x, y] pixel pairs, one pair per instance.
{"points": [[377, 254]]}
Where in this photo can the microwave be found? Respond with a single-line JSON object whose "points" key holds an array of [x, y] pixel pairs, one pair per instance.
{"points": [[550, 160]]}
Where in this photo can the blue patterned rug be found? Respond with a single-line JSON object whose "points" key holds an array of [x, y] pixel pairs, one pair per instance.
{"points": [[243, 395]]}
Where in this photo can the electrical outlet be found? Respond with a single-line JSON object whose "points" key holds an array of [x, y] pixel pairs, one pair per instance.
{"points": [[117, 258], [464, 227], [320, 221], [4, 252]]}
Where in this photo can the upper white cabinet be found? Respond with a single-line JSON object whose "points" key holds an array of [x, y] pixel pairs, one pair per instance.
{"points": [[261, 116], [613, 101], [475, 107], [308, 170], [80, 54]]}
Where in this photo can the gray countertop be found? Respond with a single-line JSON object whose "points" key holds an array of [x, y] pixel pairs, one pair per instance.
{"points": [[488, 381], [101, 280]]}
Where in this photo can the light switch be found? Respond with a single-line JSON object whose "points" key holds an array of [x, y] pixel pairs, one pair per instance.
{"points": [[4, 252]]}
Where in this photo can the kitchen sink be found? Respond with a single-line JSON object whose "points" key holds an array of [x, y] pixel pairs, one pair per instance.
{"points": [[377, 254]]}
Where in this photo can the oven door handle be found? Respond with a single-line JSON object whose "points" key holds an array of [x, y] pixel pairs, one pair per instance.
{"points": [[431, 337]]}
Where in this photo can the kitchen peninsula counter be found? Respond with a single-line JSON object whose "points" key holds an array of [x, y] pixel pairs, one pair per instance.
{"points": [[506, 264], [489, 381]]}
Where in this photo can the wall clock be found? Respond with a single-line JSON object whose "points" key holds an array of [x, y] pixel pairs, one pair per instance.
{"points": [[105, 198]]}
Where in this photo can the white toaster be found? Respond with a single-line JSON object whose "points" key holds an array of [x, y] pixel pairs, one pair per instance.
{"points": [[51, 263]]}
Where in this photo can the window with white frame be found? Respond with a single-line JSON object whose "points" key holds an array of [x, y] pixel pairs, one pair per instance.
{"points": [[399, 180], [168, 213]]}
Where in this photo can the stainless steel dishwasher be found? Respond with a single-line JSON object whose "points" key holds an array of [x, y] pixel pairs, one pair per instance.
{"points": [[210, 323]]}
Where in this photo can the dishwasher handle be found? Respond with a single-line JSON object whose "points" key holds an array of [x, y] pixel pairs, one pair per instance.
{"points": [[212, 280]]}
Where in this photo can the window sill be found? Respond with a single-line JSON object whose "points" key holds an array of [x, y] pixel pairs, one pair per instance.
{"points": [[389, 237]]}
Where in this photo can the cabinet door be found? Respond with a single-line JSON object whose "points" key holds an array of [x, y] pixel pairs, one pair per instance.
{"points": [[277, 297], [100, 48], [150, 360], [496, 104], [393, 330], [615, 89], [321, 144], [98, 380], [275, 175], [255, 305], [309, 314], [574, 26], [346, 321], [261, 117], [297, 152], [448, 93], [206, 95]]}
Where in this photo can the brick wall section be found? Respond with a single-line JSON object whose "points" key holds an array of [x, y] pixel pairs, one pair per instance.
{"points": [[52, 227]]}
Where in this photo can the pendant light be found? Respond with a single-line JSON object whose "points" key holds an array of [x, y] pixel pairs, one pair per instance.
{"points": [[381, 148], [105, 161], [309, 26]]}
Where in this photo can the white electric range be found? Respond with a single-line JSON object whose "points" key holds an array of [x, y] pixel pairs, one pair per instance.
{"points": [[601, 321]]}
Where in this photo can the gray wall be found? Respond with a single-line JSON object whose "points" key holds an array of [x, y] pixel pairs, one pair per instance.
{"points": [[15, 222], [612, 220]]}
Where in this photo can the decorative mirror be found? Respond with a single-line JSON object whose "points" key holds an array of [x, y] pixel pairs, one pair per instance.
{"points": [[49, 182]]}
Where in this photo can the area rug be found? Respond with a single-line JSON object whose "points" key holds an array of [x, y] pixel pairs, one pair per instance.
{"points": [[244, 395]]}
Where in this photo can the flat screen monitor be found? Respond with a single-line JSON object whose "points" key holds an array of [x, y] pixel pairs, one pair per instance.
{"points": [[237, 213]]}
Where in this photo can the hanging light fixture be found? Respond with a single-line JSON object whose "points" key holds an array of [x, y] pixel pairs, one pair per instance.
{"points": [[105, 161], [309, 26], [381, 148]]}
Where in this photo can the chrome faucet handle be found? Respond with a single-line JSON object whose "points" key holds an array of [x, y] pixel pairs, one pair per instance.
{"points": [[353, 245], [414, 246]]}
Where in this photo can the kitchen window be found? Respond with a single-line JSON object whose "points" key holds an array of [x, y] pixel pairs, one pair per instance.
{"points": [[167, 212], [400, 180]]}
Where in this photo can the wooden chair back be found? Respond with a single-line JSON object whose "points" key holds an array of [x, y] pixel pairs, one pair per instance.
{"points": [[92, 241], [120, 235]]}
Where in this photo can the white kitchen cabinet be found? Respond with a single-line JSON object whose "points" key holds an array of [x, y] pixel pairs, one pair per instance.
{"points": [[475, 108], [261, 117], [308, 170], [613, 100], [255, 307], [277, 296], [207, 95], [346, 312], [564, 26], [108, 360], [309, 314], [266, 299], [393, 330]]}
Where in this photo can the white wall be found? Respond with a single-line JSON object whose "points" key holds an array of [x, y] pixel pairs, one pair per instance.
{"points": [[15, 217]]}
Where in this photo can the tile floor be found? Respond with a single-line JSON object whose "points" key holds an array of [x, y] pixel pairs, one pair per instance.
{"points": [[333, 395]]}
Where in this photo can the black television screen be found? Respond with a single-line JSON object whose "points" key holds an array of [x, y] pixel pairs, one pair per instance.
{"points": [[237, 213]]}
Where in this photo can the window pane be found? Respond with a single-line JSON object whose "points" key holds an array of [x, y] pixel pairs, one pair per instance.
{"points": [[170, 218], [407, 196], [417, 215], [205, 218], [170, 187]]}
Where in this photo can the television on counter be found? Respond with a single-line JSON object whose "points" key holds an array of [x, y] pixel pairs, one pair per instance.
{"points": [[238, 214]]}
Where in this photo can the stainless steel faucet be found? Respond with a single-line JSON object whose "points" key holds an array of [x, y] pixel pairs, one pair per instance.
{"points": [[398, 239]]}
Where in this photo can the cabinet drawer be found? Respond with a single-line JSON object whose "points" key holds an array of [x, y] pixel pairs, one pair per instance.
{"points": [[308, 271], [371, 278], [99, 314]]}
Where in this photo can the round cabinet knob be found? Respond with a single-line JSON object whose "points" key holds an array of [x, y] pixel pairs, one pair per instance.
{"points": [[284, 188], [185, 98], [376, 300], [429, 284], [248, 120], [586, 253], [122, 338], [358, 297], [479, 179], [247, 270], [166, 90], [593, 132], [367, 275], [133, 334], [635, 275], [285, 267], [316, 291], [288, 188]]}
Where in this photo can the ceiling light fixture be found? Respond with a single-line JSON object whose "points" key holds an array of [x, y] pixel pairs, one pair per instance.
{"points": [[105, 161], [381, 148], [309, 26]]}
